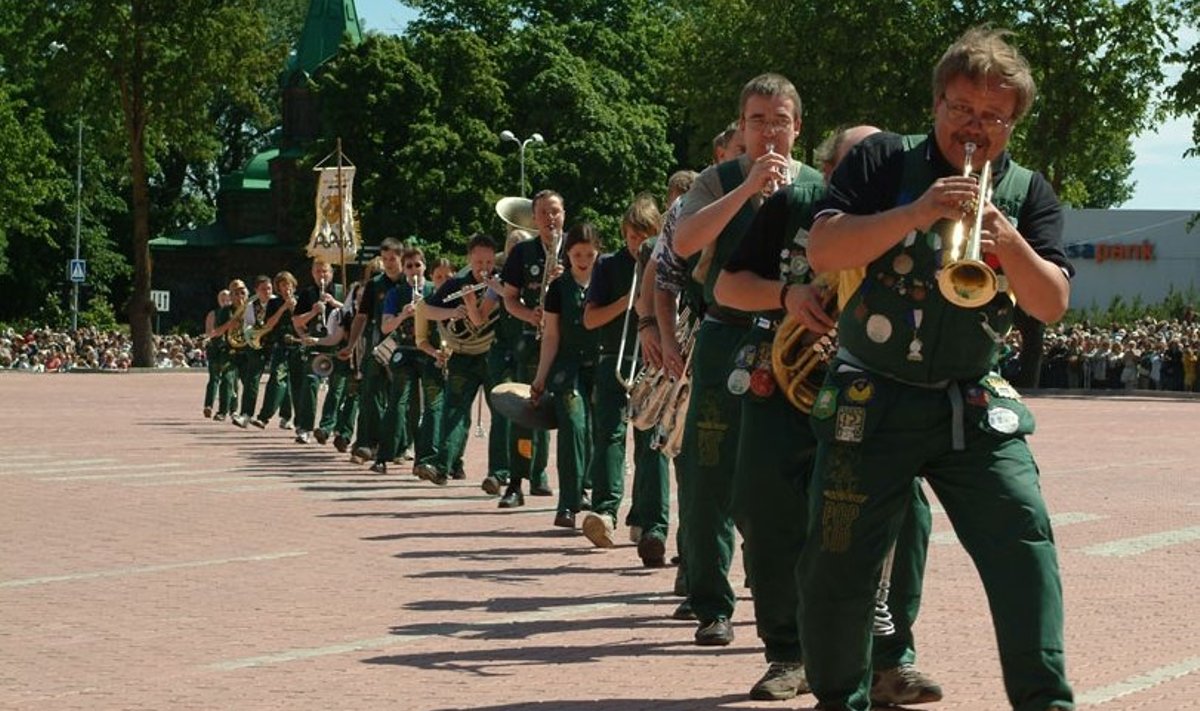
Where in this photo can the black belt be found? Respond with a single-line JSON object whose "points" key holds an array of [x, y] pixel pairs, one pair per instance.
{"points": [[721, 314]]}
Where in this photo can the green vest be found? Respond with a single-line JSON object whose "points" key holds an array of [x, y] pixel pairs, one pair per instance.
{"points": [[533, 264], [898, 323], [730, 173], [574, 341], [620, 267], [792, 243]]}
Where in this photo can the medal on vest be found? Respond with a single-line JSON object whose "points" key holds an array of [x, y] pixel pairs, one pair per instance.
{"points": [[738, 382], [850, 424], [914, 346], [977, 396], [902, 264], [879, 328], [745, 357], [825, 404], [762, 383]]}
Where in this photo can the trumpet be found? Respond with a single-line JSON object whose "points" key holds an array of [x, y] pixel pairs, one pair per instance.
{"points": [[965, 280]]}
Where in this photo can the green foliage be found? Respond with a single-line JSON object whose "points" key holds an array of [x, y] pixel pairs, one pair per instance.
{"points": [[99, 314]]}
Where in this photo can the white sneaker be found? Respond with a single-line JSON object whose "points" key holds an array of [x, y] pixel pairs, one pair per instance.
{"points": [[239, 420], [599, 529], [302, 436], [285, 424]]}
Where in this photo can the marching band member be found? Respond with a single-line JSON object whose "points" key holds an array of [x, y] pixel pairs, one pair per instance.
{"points": [[913, 388], [467, 323], [608, 299], [368, 318], [566, 372], [249, 357], [715, 214], [527, 273], [215, 354], [339, 413], [314, 304], [288, 365], [228, 327], [405, 365], [502, 368]]}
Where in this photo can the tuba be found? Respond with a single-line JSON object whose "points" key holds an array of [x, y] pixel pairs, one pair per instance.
{"points": [[655, 395], [965, 280], [236, 335], [517, 212], [798, 356]]}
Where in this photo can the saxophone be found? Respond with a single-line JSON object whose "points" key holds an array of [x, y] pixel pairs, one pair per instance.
{"points": [[236, 336], [547, 271]]}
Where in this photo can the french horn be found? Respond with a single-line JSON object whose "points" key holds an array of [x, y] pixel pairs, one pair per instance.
{"points": [[799, 356]]}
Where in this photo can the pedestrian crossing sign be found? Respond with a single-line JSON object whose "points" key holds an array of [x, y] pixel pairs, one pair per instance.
{"points": [[77, 268]]}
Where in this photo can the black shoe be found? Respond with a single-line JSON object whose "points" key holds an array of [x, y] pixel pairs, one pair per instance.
{"points": [[490, 485], [379, 468], [208, 412], [341, 444], [565, 519], [429, 473], [653, 551], [458, 473], [540, 491], [715, 633], [320, 435], [683, 612], [511, 500]]}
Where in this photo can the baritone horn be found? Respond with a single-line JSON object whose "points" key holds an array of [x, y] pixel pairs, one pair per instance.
{"points": [[965, 280], [799, 356]]}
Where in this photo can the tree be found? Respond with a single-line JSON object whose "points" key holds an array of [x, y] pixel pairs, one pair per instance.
{"points": [[164, 61], [1184, 95]]}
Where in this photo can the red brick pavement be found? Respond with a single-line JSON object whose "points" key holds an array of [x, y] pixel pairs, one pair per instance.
{"points": [[150, 559]]}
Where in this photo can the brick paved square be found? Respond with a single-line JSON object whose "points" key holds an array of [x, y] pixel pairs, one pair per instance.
{"points": [[152, 559]]}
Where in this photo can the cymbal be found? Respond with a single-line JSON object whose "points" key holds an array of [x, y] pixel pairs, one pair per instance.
{"points": [[513, 401]]}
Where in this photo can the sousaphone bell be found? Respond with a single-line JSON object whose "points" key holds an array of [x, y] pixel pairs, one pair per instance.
{"points": [[517, 212]]}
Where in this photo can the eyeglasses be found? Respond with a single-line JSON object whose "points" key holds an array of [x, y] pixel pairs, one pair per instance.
{"points": [[961, 114], [775, 125]]}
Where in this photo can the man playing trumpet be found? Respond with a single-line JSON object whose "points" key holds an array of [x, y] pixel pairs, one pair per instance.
{"points": [[913, 388]]}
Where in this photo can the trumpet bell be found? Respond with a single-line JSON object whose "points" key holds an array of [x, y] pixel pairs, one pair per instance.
{"points": [[968, 283], [322, 365], [517, 212]]}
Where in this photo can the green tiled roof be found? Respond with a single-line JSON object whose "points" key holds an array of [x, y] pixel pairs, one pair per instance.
{"points": [[327, 22]]}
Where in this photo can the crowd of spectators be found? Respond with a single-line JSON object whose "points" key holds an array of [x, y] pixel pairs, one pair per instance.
{"points": [[46, 350], [1146, 354]]}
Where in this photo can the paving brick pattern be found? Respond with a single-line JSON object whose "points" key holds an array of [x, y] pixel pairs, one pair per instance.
{"points": [[151, 559]]}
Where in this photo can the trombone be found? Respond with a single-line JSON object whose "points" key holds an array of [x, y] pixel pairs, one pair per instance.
{"points": [[965, 280], [627, 381]]}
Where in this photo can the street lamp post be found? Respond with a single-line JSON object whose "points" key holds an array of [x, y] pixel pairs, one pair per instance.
{"points": [[55, 48], [507, 135]]}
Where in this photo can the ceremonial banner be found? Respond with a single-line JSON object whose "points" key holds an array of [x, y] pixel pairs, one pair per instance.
{"points": [[334, 237]]}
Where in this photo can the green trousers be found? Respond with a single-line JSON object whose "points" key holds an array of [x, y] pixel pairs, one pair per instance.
{"points": [[651, 492], [373, 389], [570, 383], [215, 359], [711, 440], [467, 374], [874, 439], [249, 364], [340, 409], [288, 375], [429, 443], [402, 384], [529, 450]]}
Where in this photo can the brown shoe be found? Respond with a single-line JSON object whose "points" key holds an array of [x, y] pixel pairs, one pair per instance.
{"points": [[653, 552], [903, 685], [599, 530], [783, 680], [490, 485]]}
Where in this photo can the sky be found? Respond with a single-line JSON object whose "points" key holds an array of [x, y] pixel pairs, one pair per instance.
{"points": [[1165, 180]]}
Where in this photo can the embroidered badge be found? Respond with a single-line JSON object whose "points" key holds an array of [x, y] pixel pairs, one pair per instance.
{"points": [[535, 270], [825, 403], [850, 424], [745, 357], [1003, 420], [1000, 387], [739, 381], [860, 391], [977, 396]]}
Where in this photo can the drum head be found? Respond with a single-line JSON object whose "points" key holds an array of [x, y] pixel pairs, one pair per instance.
{"points": [[512, 400]]}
